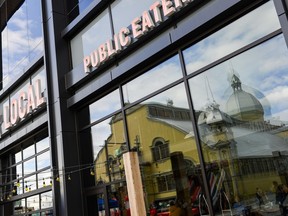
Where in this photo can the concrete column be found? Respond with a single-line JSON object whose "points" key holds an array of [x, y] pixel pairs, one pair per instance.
{"points": [[134, 183]]}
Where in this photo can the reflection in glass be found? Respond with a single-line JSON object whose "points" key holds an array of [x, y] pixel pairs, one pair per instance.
{"points": [[160, 130], [18, 157], [30, 183], [89, 38], [109, 145], [118, 198], [19, 170], [105, 106], [43, 160], [19, 206], [22, 40], [243, 127], [29, 166], [29, 151], [42, 144], [156, 78], [234, 36], [101, 204], [20, 187], [44, 178], [132, 10], [83, 4], [46, 200], [33, 203]]}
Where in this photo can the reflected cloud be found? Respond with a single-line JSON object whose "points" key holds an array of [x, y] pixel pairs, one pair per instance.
{"points": [[263, 74], [156, 78], [232, 37], [21, 41]]}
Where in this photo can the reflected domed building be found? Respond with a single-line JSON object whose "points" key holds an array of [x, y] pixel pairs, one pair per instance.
{"points": [[242, 105], [242, 143]]}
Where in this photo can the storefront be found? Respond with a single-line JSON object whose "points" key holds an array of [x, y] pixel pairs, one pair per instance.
{"points": [[145, 106]]}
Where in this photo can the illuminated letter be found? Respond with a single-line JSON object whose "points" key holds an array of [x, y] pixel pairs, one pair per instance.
{"points": [[156, 12], [31, 99], [147, 22], [14, 118], [136, 28], [7, 123], [87, 64], [39, 98], [102, 50], [168, 8], [22, 110], [124, 39], [94, 59]]}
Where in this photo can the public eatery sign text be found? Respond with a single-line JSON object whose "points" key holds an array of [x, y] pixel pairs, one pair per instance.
{"points": [[157, 13]]}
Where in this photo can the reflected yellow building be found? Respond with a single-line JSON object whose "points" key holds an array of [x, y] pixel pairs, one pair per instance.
{"points": [[238, 152]]}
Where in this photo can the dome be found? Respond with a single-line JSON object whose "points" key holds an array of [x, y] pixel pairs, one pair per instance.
{"points": [[242, 105]]}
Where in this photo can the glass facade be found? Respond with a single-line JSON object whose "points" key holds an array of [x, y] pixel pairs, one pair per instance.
{"points": [[86, 41], [26, 171], [235, 81], [191, 116], [21, 38]]}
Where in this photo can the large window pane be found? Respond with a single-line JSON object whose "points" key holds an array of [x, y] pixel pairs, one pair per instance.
{"points": [[19, 207], [90, 38], [33, 203], [30, 183], [245, 30], [160, 130], [132, 10], [108, 145], [17, 157], [29, 151], [29, 166], [42, 145], [44, 178], [243, 126], [19, 170], [22, 40], [43, 160], [152, 80], [105, 106], [46, 200]]}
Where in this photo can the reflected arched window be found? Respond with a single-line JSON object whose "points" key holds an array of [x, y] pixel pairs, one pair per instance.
{"points": [[160, 149]]}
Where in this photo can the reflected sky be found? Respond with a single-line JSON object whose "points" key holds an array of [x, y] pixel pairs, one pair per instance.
{"points": [[21, 39], [100, 133], [42, 144], [262, 69], [90, 38], [232, 37], [43, 160], [156, 78], [105, 106], [176, 94], [132, 10], [33, 203]]}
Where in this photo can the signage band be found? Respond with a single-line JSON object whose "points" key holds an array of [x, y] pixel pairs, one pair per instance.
{"points": [[149, 19]]}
